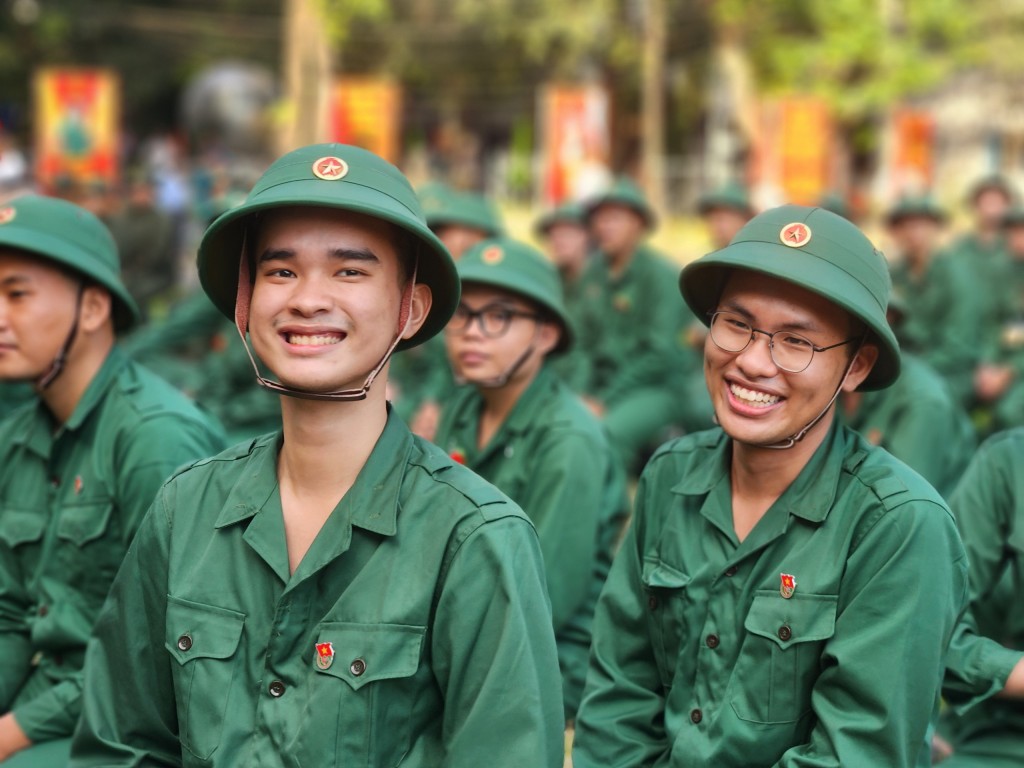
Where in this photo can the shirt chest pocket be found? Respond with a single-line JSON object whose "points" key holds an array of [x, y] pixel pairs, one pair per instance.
{"points": [[781, 656], [366, 680], [203, 641], [19, 527], [666, 602]]}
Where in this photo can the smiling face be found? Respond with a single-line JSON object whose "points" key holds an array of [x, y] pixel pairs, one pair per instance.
{"points": [[755, 401], [477, 357], [326, 297], [37, 310]]}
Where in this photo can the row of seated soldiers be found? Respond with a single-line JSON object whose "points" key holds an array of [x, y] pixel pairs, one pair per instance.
{"points": [[958, 311]]}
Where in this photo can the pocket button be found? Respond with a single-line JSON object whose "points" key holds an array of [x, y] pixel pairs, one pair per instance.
{"points": [[185, 643], [785, 633], [357, 667]]}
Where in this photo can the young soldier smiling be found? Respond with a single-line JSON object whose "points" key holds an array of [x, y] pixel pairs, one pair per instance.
{"points": [[340, 592], [787, 592]]}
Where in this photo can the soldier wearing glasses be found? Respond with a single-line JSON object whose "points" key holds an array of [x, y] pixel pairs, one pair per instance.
{"points": [[520, 428], [786, 593]]}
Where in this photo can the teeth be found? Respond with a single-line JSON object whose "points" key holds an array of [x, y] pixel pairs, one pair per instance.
{"points": [[317, 340], [750, 397]]}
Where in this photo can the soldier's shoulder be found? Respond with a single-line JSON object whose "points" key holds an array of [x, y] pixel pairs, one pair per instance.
{"points": [[227, 464], [888, 480], [696, 446]]}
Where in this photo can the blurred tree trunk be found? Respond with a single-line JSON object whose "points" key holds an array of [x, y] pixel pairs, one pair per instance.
{"points": [[306, 74], [653, 103]]}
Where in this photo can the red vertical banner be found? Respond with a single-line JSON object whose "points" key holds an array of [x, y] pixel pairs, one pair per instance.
{"points": [[77, 116], [366, 112], [913, 156], [576, 141], [793, 155]]}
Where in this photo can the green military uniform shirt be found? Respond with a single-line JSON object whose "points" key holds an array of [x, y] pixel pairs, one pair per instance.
{"points": [[14, 394], [918, 421], [634, 354], [416, 630], [989, 506], [701, 659], [71, 498], [943, 320], [986, 267], [552, 458]]}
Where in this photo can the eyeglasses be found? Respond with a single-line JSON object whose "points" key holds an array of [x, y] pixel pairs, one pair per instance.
{"points": [[790, 351], [494, 319]]}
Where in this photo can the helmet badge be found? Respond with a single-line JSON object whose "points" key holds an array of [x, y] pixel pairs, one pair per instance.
{"points": [[7, 214], [492, 255], [795, 235], [330, 168]]}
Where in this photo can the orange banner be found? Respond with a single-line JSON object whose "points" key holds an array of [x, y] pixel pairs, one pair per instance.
{"points": [[77, 112], [913, 151], [795, 148], [366, 111], [576, 140]]}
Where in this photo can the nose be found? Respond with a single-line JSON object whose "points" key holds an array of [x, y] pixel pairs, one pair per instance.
{"points": [[755, 361], [309, 297]]}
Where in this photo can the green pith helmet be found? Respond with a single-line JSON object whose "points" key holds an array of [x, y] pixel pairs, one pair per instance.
{"points": [[444, 206], [623, 192], [993, 181], [731, 195], [520, 269], [566, 213], [915, 207], [70, 236], [814, 249], [331, 176]]}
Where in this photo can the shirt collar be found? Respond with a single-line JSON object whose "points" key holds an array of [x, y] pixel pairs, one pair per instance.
{"points": [[372, 502], [810, 496], [98, 387]]}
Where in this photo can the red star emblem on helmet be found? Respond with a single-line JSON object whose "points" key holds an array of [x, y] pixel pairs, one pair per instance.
{"points": [[795, 235], [330, 168], [7, 214]]}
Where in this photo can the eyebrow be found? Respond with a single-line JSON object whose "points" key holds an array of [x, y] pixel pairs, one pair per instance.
{"points": [[342, 254], [797, 325], [15, 280]]}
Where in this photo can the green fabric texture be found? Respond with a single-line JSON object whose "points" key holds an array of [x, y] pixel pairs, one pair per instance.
{"points": [[920, 422], [426, 581], [71, 499], [699, 658], [836, 261], [363, 183], [989, 506], [514, 266], [73, 238], [551, 457], [444, 206]]}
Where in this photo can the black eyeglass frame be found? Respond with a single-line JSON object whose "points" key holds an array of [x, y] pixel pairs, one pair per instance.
{"points": [[477, 315]]}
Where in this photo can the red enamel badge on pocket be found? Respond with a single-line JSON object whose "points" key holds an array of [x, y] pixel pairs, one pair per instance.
{"points": [[788, 585], [324, 655]]}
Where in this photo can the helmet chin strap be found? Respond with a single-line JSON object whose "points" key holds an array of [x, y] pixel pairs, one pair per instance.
{"points": [[243, 300], [496, 382], [57, 366], [791, 441]]}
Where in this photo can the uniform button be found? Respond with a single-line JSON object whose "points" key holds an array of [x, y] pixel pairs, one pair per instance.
{"points": [[652, 602], [276, 689], [185, 643], [55, 482], [696, 716], [712, 641], [785, 632], [731, 570], [357, 667], [43, 610]]}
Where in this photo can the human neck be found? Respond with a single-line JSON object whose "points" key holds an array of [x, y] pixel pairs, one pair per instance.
{"points": [[326, 444], [918, 261], [620, 260], [498, 404], [760, 475], [83, 362], [851, 402]]}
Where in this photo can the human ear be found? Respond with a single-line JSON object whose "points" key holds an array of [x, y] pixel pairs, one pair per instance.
{"points": [[548, 336], [96, 308], [419, 308], [862, 364]]}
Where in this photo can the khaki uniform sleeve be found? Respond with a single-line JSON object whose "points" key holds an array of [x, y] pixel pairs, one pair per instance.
{"points": [[494, 653]]}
